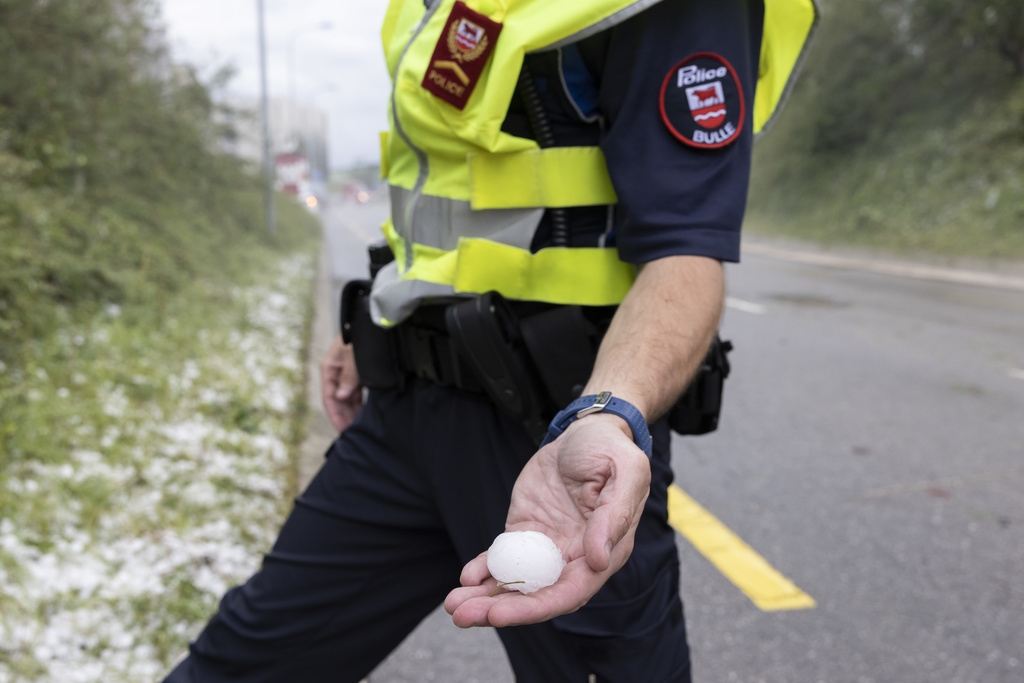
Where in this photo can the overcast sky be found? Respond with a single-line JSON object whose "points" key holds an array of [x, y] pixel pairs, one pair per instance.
{"points": [[340, 70]]}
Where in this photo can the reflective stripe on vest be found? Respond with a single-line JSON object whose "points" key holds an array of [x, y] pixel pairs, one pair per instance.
{"points": [[443, 263], [555, 177], [551, 178]]}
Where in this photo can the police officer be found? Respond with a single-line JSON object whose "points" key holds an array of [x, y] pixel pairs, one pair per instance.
{"points": [[553, 156]]}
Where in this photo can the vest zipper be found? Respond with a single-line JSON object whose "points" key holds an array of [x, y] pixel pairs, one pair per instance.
{"points": [[421, 156]]}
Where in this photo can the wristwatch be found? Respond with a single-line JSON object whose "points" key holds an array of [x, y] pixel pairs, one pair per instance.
{"points": [[602, 403]]}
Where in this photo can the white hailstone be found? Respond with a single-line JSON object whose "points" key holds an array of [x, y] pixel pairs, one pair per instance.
{"points": [[525, 560]]}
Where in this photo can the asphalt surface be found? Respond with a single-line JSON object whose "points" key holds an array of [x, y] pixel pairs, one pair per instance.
{"points": [[871, 449]]}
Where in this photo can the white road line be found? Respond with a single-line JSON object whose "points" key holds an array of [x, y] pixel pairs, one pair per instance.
{"points": [[897, 268], [745, 306], [1016, 373]]}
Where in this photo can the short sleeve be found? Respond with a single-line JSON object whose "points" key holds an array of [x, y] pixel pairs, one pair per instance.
{"points": [[676, 197]]}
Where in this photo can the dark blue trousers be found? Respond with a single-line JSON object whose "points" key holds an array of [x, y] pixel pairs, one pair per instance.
{"points": [[414, 489]]}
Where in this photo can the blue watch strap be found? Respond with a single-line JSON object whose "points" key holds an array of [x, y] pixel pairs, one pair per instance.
{"points": [[602, 403]]}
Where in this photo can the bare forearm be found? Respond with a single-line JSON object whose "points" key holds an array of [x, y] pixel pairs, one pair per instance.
{"points": [[660, 333]]}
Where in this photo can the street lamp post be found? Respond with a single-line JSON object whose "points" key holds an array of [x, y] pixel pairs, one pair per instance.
{"points": [[268, 169]]}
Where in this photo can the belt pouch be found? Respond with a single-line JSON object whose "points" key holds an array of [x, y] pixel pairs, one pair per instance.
{"points": [[697, 410], [375, 348]]}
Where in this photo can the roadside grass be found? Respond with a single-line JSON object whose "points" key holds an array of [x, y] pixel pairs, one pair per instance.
{"points": [[923, 197], [940, 183], [144, 469]]}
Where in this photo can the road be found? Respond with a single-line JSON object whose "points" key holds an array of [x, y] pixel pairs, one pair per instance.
{"points": [[871, 450]]}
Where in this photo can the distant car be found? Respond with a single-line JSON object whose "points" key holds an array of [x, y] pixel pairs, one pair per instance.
{"points": [[355, 191]]}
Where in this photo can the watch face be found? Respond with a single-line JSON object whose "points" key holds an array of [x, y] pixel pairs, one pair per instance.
{"points": [[599, 403]]}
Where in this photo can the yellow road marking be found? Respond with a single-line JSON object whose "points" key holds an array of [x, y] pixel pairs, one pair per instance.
{"points": [[738, 562]]}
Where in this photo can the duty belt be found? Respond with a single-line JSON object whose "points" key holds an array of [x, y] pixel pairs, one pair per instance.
{"points": [[529, 359]]}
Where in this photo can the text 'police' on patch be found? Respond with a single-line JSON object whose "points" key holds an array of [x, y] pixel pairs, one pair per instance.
{"points": [[701, 101]]}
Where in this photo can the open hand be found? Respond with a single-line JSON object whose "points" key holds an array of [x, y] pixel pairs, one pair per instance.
{"points": [[585, 490]]}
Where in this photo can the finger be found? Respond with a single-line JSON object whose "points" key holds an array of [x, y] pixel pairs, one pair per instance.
{"points": [[474, 611], [339, 415], [348, 383], [328, 387], [506, 608], [458, 596], [328, 382], [356, 401], [475, 572], [577, 584], [334, 409], [476, 581], [620, 506], [341, 412], [605, 529]]}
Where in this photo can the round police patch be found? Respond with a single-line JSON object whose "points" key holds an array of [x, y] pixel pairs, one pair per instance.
{"points": [[702, 103]]}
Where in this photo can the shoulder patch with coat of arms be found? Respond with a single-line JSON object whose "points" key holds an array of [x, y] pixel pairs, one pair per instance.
{"points": [[701, 102], [466, 42]]}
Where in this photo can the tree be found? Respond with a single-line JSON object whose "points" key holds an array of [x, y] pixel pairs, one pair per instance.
{"points": [[995, 26]]}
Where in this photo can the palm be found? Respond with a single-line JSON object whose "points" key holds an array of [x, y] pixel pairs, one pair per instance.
{"points": [[558, 497]]}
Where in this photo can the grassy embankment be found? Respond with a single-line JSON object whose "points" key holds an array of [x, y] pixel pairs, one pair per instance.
{"points": [[151, 342], [905, 132]]}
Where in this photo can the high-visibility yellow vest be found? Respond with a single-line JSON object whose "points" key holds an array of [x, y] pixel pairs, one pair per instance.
{"points": [[466, 198]]}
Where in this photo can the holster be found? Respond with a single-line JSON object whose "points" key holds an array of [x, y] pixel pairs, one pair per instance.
{"points": [[375, 348], [485, 332]]}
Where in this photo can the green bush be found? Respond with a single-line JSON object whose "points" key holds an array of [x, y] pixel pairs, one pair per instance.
{"points": [[111, 186]]}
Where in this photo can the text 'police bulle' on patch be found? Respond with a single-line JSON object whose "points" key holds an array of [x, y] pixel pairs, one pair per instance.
{"points": [[702, 102], [466, 42]]}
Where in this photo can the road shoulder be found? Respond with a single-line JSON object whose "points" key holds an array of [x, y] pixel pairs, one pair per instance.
{"points": [[1001, 274]]}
